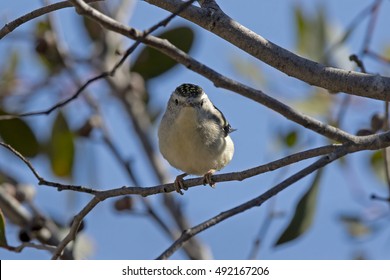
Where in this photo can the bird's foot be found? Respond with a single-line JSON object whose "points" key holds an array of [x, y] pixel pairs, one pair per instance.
{"points": [[179, 183], [207, 179]]}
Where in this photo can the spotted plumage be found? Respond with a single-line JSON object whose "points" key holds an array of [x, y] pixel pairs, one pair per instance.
{"points": [[189, 90]]}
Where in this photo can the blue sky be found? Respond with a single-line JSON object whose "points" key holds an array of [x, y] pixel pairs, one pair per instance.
{"points": [[132, 237]]}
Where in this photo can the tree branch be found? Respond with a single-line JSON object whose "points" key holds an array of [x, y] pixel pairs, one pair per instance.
{"points": [[258, 201], [166, 188], [11, 26], [376, 141], [333, 79], [103, 75], [75, 226], [219, 80]]}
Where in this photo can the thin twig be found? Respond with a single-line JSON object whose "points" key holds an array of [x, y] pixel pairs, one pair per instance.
{"points": [[358, 19], [18, 249], [11, 26], [371, 26], [263, 230], [41, 180], [358, 62], [75, 226], [105, 74], [22, 158], [378, 57]]}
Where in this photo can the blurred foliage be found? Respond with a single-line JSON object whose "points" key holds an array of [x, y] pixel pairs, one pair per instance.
{"points": [[151, 63], [355, 226], [8, 74], [95, 31], [97, 34], [289, 139], [3, 239], [376, 162], [304, 213], [62, 147], [317, 103], [249, 69], [46, 47], [19, 135], [311, 33]]}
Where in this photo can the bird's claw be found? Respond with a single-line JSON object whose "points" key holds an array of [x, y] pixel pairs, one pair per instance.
{"points": [[179, 184], [207, 179]]}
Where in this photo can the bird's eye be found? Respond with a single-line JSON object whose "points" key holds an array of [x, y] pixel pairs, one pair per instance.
{"points": [[176, 101], [201, 103]]}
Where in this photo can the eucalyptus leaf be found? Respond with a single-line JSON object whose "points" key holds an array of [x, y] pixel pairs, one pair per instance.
{"points": [[151, 63], [19, 135], [62, 147], [304, 213]]}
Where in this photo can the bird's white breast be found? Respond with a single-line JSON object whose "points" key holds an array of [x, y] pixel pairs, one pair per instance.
{"points": [[194, 146]]}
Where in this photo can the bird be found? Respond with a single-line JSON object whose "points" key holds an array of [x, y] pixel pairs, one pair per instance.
{"points": [[194, 135]]}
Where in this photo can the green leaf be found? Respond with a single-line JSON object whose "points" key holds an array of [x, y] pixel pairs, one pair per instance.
{"points": [[291, 139], [3, 239], [151, 63], [304, 213], [19, 135], [61, 151]]}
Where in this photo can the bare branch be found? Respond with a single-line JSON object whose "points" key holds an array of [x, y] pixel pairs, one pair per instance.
{"points": [[165, 188], [313, 73], [41, 180], [103, 75], [258, 201], [20, 248], [371, 25], [11, 26], [375, 141], [219, 80], [18, 214], [22, 158], [371, 142], [75, 226]]}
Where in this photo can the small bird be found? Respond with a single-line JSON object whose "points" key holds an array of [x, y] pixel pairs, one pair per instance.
{"points": [[194, 135]]}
